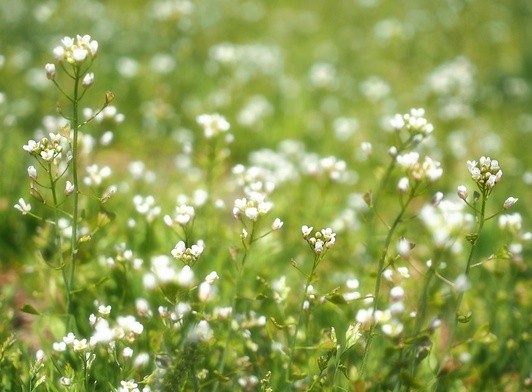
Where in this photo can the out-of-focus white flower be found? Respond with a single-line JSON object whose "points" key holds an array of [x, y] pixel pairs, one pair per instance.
{"points": [[277, 224], [509, 202], [88, 80], [213, 124], [22, 206], [50, 71]]}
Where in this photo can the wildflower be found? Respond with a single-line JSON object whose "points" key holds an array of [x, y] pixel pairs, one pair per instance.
{"points": [[128, 386], [201, 332], [88, 80], [414, 122], [188, 255], [404, 247], [509, 202], [392, 328], [213, 124], [22, 206], [462, 192], [486, 173], [253, 207], [104, 310], [185, 277], [403, 185], [321, 240], [50, 71], [79, 345], [69, 188], [277, 224], [76, 51], [65, 381], [306, 230]]}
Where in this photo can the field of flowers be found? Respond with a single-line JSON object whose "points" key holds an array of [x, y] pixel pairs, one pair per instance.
{"points": [[248, 195]]}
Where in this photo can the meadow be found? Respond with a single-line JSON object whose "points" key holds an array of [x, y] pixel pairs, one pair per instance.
{"points": [[229, 195]]}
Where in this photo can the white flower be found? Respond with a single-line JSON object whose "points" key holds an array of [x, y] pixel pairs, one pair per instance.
{"points": [[79, 345], [69, 188], [50, 71], [508, 203], [212, 277], [88, 80], [277, 224], [104, 310], [306, 230], [403, 185], [185, 277], [32, 172], [462, 192], [22, 206], [213, 124]]}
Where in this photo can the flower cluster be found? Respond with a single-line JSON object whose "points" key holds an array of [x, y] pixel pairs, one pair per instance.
{"points": [[486, 172], [414, 122], [76, 50], [321, 240], [429, 169], [252, 207], [47, 148], [188, 255], [213, 124], [184, 215]]}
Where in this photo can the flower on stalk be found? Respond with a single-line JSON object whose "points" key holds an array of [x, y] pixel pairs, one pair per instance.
{"points": [[429, 169], [321, 241], [88, 80], [184, 215], [50, 71], [486, 173], [188, 255], [252, 207], [414, 122], [22, 206], [76, 50], [508, 203]]}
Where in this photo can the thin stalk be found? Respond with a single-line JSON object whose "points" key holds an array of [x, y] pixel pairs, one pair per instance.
{"points": [[481, 219], [240, 273], [378, 280], [75, 214], [315, 263]]}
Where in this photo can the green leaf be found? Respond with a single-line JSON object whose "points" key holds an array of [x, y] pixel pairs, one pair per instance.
{"points": [[27, 308]]}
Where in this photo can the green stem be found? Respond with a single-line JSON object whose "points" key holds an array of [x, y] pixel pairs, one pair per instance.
{"points": [[240, 273], [75, 215], [454, 324], [315, 263], [378, 280]]}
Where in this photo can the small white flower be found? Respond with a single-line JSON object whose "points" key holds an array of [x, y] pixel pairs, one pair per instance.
{"points": [[50, 71], [69, 188], [508, 203], [306, 230], [32, 172], [462, 192], [104, 310], [277, 224], [22, 206], [88, 80], [403, 185]]}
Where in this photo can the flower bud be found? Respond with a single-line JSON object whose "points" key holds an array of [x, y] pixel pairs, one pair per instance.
{"points": [[88, 80], [462, 192], [50, 71], [508, 203]]}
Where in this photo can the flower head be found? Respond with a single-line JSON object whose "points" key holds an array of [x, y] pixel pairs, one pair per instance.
{"points": [[486, 173], [76, 51]]}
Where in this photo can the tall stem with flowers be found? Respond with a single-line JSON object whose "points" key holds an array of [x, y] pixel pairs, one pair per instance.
{"points": [[57, 155], [486, 173]]}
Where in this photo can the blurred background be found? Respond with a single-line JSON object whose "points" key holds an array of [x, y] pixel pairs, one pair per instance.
{"points": [[327, 73]]}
